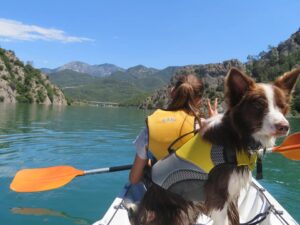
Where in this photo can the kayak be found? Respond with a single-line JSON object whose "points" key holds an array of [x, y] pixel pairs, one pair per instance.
{"points": [[256, 206]]}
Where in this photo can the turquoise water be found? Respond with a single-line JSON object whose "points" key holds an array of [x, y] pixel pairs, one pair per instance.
{"points": [[87, 138]]}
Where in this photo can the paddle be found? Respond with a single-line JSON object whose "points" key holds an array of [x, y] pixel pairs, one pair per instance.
{"points": [[43, 179], [289, 148]]}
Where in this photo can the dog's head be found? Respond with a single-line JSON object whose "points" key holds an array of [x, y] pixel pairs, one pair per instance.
{"points": [[258, 109]]}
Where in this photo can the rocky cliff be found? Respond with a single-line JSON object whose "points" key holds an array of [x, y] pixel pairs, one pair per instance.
{"points": [[25, 84]]}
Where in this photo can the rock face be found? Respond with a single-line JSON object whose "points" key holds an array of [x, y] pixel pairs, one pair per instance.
{"points": [[25, 84]]}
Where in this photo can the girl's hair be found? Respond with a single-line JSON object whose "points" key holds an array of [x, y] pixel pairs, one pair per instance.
{"points": [[186, 95]]}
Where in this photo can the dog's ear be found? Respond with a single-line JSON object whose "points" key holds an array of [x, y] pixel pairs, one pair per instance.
{"points": [[287, 81], [236, 86]]}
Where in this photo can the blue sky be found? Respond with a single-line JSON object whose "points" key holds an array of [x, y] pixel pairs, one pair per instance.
{"points": [[156, 33]]}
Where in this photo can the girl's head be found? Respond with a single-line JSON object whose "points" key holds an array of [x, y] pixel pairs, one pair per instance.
{"points": [[186, 94]]}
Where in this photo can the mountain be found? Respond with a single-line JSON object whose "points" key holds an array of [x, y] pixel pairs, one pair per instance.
{"points": [[69, 78], [133, 85], [141, 71], [107, 69], [128, 87], [100, 70], [25, 84]]}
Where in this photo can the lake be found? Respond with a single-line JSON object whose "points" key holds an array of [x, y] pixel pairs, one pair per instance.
{"points": [[87, 138]]}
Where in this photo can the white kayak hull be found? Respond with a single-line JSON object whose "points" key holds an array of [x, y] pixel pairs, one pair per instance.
{"points": [[253, 201]]}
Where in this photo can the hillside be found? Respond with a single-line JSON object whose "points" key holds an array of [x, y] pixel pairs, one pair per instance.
{"points": [[211, 74], [25, 84], [128, 87], [70, 78]]}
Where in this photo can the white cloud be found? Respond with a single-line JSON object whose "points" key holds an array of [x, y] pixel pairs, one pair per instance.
{"points": [[15, 30]]}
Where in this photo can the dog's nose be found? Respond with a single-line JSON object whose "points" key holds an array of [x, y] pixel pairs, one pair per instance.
{"points": [[282, 127]]}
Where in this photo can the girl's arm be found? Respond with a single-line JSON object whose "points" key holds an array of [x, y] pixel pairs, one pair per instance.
{"points": [[137, 170]]}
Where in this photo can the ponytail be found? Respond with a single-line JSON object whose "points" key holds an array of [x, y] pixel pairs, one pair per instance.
{"points": [[186, 95]]}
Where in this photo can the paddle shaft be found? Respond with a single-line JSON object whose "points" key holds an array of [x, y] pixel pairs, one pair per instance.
{"points": [[280, 148], [107, 169], [285, 148]]}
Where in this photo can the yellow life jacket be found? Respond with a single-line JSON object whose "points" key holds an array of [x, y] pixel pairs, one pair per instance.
{"points": [[185, 171], [166, 126], [206, 156]]}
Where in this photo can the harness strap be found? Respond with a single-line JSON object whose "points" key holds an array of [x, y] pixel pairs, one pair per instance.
{"points": [[259, 167], [170, 149]]}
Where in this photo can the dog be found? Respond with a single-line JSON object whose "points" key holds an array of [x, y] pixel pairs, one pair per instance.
{"points": [[254, 118]]}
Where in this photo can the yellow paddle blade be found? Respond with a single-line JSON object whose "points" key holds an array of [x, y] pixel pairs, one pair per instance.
{"points": [[43, 179]]}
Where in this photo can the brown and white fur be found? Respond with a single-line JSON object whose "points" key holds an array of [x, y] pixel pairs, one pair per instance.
{"points": [[256, 114]]}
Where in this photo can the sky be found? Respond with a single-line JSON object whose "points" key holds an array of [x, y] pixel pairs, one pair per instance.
{"points": [[154, 33]]}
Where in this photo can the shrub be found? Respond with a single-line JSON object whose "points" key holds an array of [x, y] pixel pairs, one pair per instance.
{"points": [[4, 77], [69, 101], [24, 98], [40, 97], [50, 92], [1, 98], [12, 85]]}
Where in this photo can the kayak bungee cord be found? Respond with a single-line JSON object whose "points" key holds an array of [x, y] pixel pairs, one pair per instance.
{"points": [[267, 212]]}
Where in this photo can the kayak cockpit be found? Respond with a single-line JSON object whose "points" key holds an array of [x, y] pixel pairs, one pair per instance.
{"points": [[256, 206]]}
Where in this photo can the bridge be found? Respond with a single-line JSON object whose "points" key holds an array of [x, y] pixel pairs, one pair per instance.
{"points": [[103, 104]]}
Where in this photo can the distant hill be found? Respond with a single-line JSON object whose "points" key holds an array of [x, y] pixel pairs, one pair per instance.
{"points": [[128, 87], [100, 70], [70, 78], [25, 84]]}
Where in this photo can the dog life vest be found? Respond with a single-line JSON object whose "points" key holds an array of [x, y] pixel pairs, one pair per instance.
{"points": [[185, 171], [166, 126]]}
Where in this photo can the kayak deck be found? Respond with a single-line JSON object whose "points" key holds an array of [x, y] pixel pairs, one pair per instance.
{"points": [[255, 203]]}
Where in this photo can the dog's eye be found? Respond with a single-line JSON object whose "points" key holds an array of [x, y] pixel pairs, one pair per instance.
{"points": [[283, 107], [258, 106]]}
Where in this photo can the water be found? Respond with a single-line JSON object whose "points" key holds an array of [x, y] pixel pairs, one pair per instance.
{"points": [[87, 138]]}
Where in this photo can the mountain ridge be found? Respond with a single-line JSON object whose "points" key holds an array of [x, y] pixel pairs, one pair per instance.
{"points": [[98, 70]]}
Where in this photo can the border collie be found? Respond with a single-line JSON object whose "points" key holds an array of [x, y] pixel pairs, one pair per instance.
{"points": [[255, 117]]}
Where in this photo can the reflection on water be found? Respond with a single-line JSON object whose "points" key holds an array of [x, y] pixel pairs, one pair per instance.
{"points": [[20, 117], [49, 212]]}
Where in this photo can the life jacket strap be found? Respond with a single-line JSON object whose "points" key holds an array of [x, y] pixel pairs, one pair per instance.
{"points": [[170, 148]]}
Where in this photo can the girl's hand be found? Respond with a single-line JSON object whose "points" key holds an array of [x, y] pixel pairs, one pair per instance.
{"points": [[212, 111]]}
